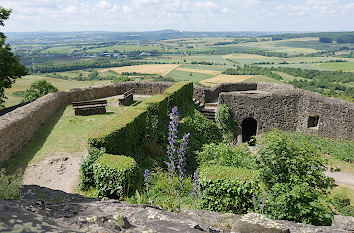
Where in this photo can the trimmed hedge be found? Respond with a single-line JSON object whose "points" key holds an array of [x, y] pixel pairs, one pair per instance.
{"points": [[115, 175], [228, 189], [122, 135], [146, 122]]}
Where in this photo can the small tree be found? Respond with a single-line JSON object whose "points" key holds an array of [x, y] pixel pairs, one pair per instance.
{"points": [[38, 89], [10, 65], [292, 172]]}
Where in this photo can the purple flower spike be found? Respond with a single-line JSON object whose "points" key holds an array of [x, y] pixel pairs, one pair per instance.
{"points": [[177, 158]]}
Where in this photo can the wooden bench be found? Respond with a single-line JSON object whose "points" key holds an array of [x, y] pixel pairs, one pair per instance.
{"points": [[127, 98], [91, 107]]}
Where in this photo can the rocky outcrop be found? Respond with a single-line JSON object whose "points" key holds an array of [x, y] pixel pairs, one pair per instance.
{"points": [[46, 210]]}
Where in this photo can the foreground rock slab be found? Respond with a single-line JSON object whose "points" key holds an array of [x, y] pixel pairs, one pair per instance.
{"points": [[46, 210]]}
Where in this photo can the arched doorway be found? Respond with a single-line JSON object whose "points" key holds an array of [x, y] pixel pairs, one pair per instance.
{"points": [[249, 129]]}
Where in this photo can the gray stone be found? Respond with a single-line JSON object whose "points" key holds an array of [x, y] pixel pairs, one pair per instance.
{"points": [[343, 222]]}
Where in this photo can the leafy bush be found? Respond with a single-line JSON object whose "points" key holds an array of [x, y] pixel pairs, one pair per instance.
{"points": [[168, 192], [225, 155], [292, 172], [86, 167], [202, 131], [342, 150], [226, 121], [115, 175], [10, 185], [227, 189], [38, 89], [121, 79]]}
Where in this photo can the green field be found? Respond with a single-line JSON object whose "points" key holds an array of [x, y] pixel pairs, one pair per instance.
{"points": [[338, 66], [262, 78], [179, 75], [23, 83]]}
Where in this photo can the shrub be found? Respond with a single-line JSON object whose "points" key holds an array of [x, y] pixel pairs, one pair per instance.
{"points": [[168, 192], [202, 131], [122, 135], [342, 150], [227, 189], [10, 185], [121, 79], [226, 121], [86, 168], [115, 175], [38, 89], [225, 155], [292, 172]]}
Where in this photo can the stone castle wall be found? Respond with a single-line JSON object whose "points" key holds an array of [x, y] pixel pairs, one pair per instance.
{"points": [[271, 105], [283, 107], [18, 127]]}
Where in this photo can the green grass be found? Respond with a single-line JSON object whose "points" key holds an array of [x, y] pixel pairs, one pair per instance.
{"points": [[338, 65], [179, 75], [64, 133], [23, 83], [346, 191], [262, 78]]}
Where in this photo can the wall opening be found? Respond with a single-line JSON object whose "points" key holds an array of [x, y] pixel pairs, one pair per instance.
{"points": [[249, 129], [312, 121]]}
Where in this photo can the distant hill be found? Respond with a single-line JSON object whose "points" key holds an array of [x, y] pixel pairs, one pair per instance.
{"points": [[340, 37], [97, 36]]}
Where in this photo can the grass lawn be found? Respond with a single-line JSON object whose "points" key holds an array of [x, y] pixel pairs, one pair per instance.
{"points": [[23, 83], [179, 75], [65, 132], [338, 65]]}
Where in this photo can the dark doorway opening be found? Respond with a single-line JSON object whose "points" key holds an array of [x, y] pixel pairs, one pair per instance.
{"points": [[249, 129], [312, 121]]}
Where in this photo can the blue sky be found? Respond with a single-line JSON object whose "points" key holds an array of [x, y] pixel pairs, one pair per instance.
{"points": [[188, 15]]}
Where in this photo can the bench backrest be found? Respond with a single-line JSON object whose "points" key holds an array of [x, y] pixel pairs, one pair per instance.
{"points": [[90, 102], [130, 92]]}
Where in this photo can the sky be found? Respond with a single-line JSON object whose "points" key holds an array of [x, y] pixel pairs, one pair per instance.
{"points": [[184, 15]]}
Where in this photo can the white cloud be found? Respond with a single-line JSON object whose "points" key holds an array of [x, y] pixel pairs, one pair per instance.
{"points": [[132, 15]]}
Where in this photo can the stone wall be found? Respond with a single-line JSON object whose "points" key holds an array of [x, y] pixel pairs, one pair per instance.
{"points": [[271, 105], [284, 107], [18, 127]]}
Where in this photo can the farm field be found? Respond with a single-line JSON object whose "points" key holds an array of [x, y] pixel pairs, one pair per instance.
{"points": [[23, 83], [211, 72], [223, 78], [345, 66], [180, 75], [162, 69], [124, 48]]}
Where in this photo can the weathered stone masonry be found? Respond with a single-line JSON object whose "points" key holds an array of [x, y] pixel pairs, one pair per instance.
{"points": [[284, 107], [270, 105], [18, 127]]}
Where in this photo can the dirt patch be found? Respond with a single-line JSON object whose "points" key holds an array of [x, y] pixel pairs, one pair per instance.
{"points": [[162, 69], [59, 172]]}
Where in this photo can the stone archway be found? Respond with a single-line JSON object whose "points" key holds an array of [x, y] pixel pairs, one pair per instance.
{"points": [[249, 129]]}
